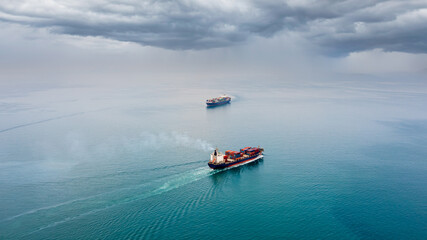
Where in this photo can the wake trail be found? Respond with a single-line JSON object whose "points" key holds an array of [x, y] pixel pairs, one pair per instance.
{"points": [[32, 211], [41, 121], [49, 119], [176, 165], [172, 217], [169, 185], [47, 207], [177, 181]]}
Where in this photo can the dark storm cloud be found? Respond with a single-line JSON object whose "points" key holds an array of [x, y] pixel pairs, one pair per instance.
{"points": [[337, 26]]}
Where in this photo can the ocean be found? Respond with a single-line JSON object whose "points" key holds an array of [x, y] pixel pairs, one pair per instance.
{"points": [[342, 160]]}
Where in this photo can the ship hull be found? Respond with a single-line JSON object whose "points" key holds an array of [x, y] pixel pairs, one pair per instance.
{"points": [[237, 163], [217, 104]]}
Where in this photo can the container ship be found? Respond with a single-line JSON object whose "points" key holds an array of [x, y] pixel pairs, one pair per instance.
{"points": [[224, 99], [235, 158]]}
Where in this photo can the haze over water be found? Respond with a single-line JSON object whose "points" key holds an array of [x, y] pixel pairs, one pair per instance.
{"points": [[341, 162]]}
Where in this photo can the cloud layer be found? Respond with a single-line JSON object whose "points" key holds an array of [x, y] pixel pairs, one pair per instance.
{"points": [[335, 26]]}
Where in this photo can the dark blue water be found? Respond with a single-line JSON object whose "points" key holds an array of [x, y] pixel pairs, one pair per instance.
{"points": [[341, 162]]}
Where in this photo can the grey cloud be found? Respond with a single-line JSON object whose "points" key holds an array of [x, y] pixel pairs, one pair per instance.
{"points": [[391, 25], [336, 26]]}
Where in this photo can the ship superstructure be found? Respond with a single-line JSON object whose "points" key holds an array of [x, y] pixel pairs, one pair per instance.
{"points": [[234, 158]]}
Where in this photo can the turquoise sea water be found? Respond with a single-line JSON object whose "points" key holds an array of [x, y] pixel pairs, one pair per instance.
{"points": [[341, 162]]}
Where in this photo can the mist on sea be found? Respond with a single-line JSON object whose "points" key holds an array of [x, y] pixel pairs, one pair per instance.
{"points": [[342, 160]]}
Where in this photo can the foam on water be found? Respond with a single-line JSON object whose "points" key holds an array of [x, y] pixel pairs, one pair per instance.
{"points": [[108, 200]]}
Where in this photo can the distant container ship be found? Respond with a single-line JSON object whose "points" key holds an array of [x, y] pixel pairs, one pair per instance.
{"points": [[235, 158], [224, 99]]}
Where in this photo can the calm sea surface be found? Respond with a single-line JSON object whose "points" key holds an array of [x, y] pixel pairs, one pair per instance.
{"points": [[341, 162]]}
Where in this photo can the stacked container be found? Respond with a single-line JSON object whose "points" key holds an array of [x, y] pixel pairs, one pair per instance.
{"points": [[252, 151], [244, 150]]}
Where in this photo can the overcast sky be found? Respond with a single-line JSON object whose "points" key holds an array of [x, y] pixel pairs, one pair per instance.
{"points": [[105, 40]]}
